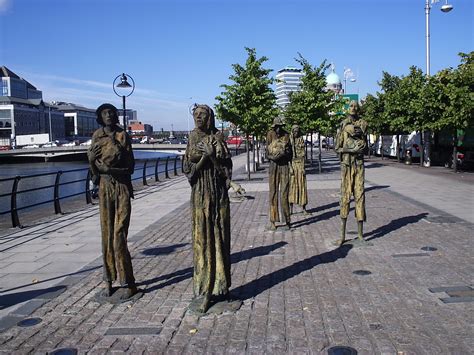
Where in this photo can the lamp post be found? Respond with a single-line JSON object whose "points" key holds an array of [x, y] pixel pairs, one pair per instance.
{"points": [[348, 74], [445, 8], [125, 91]]}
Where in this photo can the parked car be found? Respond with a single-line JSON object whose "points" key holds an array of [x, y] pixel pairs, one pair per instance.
{"points": [[236, 140], [88, 142], [49, 145], [31, 146]]}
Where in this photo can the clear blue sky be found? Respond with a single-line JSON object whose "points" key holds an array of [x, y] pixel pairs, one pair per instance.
{"points": [[181, 51]]}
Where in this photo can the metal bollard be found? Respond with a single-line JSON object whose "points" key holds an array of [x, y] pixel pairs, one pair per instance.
{"points": [[175, 172], [166, 168], [144, 173], [57, 205], [156, 169], [88, 189], [13, 206]]}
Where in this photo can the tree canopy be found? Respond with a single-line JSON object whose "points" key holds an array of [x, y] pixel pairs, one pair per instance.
{"points": [[249, 102], [313, 107]]}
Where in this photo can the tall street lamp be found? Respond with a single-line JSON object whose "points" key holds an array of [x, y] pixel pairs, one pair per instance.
{"points": [[348, 74], [445, 8], [125, 90]]}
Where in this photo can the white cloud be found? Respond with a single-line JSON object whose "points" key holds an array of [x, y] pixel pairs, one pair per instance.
{"points": [[159, 109], [5, 5]]}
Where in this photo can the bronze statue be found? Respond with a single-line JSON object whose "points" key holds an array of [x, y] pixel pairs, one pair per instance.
{"points": [[350, 144], [112, 163], [208, 167], [279, 154], [298, 188]]}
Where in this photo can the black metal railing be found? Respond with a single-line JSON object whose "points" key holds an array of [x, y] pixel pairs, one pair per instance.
{"points": [[74, 177]]}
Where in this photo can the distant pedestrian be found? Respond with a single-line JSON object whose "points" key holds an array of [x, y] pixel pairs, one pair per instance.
{"points": [[279, 154], [112, 164]]}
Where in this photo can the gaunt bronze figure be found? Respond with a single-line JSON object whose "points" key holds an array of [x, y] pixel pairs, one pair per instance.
{"points": [[112, 163], [279, 154], [350, 144], [208, 167], [298, 187]]}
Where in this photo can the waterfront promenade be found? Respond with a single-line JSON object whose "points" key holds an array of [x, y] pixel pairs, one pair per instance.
{"points": [[407, 292]]}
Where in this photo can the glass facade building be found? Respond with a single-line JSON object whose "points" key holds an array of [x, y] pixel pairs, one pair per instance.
{"points": [[287, 80]]}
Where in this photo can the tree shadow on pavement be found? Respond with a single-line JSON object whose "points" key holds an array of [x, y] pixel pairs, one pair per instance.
{"points": [[186, 273], [377, 187], [266, 282], [163, 250], [394, 225], [323, 207], [325, 216], [373, 165], [11, 299]]}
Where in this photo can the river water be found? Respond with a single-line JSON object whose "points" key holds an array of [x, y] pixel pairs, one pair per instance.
{"points": [[80, 173]]}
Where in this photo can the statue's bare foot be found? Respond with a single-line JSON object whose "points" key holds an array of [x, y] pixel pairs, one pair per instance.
{"points": [[204, 306], [107, 291], [340, 242], [287, 226], [305, 212], [361, 238], [272, 226], [129, 292]]}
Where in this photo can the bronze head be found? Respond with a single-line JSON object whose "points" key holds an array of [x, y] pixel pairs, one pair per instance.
{"points": [[107, 110], [354, 108], [204, 118]]}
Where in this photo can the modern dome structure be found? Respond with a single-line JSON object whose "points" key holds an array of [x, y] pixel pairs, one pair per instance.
{"points": [[333, 82]]}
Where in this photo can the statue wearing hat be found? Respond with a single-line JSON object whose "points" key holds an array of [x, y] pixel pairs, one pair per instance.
{"points": [[298, 188], [279, 154], [112, 163], [350, 144]]}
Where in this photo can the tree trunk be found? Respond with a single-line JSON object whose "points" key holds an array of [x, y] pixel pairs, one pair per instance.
{"points": [[455, 151], [368, 143], [398, 148], [311, 158], [254, 165], [422, 149], [428, 148], [258, 151], [319, 153], [381, 146], [247, 148]]}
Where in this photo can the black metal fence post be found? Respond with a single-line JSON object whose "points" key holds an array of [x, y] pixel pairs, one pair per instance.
{"points": [[156, 169], [182, 164], [14, 212], [144, 172], [166, 167], [57, 205], [88, 188], [175, 172]]}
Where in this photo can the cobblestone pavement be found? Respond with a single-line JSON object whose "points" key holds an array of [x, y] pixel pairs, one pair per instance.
{"points": [[300, 293]]}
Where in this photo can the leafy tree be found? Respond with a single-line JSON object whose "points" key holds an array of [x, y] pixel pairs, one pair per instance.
{"points": [[453, 90], [311, 106], [249, 102]]}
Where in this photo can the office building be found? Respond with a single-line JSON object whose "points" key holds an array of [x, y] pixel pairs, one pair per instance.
{"points": [[23, 111], [288, 80]]}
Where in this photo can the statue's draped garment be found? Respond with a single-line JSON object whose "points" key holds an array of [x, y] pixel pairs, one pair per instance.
{"points": [[351, 145], [210, 213], [279, 154], [115, 191], [298, 188]]}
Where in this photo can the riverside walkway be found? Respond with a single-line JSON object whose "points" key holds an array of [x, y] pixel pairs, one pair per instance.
{"points": [[408, 292]]}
